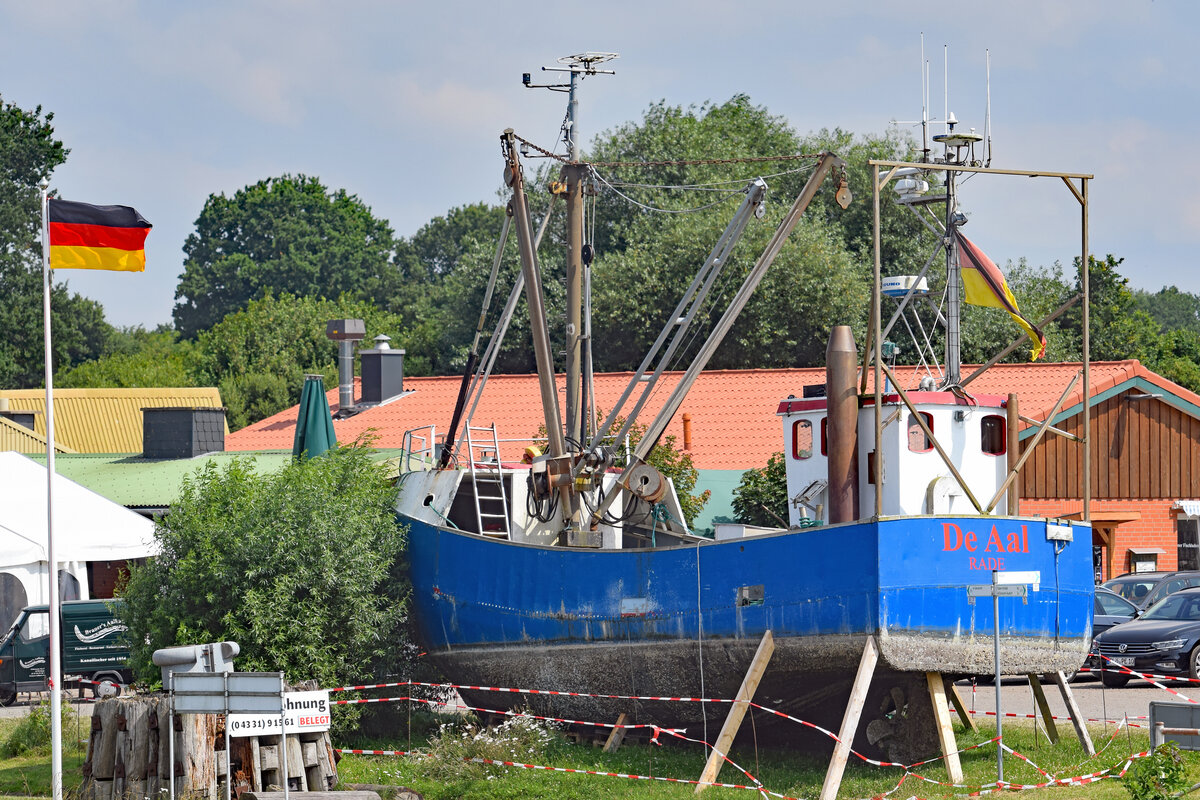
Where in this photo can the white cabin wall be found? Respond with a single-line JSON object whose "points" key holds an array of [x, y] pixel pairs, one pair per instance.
{"points": [[801, 472], [523, 527], [909, 477]]}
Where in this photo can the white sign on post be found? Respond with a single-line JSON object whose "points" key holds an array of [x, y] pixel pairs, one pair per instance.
{"points": [[303, 711]]}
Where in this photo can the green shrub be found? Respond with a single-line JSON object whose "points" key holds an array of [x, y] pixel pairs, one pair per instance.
{"points": [[32, 732], [1158, 776]]}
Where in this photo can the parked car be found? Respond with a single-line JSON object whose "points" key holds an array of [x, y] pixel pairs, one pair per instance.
{"points": [[1110, 609], [1135, 586], [1144, 589], [1163, 640], [93, 647]]}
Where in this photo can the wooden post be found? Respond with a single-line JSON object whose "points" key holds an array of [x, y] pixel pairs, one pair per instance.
{"points": [[617, 735], [1013, 448], [858, 695], [737, 711], [941, 716], [956, 700], [1039, 696], [1081, 731]]}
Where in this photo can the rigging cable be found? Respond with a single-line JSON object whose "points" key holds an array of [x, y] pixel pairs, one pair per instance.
{"points": [[728, 195]]}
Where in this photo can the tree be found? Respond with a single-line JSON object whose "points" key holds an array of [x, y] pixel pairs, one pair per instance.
{"points": [[287, 234], [1171, 308], [258, 356], [761, 496], [137, 358], [651, 238], [302, 568], [1118, 330], [28, 153]]}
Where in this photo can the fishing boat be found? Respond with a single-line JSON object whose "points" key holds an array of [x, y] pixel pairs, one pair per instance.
{"points": [[575, 573]]}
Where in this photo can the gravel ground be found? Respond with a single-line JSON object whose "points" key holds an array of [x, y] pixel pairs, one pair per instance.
{"points": [[1094, 700]]}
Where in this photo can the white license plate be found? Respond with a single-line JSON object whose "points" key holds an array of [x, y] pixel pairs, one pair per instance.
{"points": [[1122, 661]]}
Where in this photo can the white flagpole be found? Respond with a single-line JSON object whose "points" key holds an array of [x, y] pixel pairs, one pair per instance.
{"points": [[55, 614]]}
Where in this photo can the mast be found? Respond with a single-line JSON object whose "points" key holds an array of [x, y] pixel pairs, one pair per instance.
{"points": [[959, 146], [578, 66]]}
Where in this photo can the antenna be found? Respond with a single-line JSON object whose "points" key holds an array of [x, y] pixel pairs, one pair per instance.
{"points": [[579, 66], [924, 102], [987, 114]]}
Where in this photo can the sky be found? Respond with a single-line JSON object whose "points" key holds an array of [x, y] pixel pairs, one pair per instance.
{"points": [[163, 104]]}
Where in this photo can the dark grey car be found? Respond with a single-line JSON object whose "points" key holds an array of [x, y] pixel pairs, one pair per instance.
{"points": [[1164, 640]]}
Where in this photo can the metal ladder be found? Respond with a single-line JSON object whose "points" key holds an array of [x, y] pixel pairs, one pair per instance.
{"points": [[487, 478]]}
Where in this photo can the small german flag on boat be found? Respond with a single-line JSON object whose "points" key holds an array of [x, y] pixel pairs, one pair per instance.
{"points": [[84, 236]]}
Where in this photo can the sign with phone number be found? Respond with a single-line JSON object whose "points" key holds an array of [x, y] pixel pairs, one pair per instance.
{"points": [[303, 712]]}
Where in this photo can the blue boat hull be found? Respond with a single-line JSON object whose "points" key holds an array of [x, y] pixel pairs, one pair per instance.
{"points": [[636, 622]]}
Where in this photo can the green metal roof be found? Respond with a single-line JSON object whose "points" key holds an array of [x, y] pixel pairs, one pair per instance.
{"points": [[137, 482]]}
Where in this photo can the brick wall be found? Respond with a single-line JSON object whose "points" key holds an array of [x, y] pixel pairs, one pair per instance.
{"points": [[1156, 528]]}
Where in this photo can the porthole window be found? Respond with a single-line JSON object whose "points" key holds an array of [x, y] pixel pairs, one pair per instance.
{"points": [[993, 435]]}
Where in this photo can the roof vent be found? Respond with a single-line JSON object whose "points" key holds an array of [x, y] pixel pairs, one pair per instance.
{"points": [[182, 432], [345, 332], [382, 373]]}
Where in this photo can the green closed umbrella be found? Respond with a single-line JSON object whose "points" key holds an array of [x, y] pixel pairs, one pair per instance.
{"points": [[314, 424]]}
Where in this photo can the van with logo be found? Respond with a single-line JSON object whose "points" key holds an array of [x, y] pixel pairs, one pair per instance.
{"points": [[93, 648]]}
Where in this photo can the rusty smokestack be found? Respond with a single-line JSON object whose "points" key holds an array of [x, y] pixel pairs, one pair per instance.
{"points": [[687, 432], [841, 397]]}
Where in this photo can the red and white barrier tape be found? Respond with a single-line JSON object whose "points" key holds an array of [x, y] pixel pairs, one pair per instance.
{"points": [[1121, 670]]}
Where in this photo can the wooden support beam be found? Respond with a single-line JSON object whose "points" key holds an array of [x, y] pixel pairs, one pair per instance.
{"points": [[858, 696], [956, 700], [617, 735], [1035, 683], [1081, 730], [737, 711], [941, 716]]}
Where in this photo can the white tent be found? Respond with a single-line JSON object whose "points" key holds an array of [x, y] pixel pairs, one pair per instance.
{"points": [[87, 527]]}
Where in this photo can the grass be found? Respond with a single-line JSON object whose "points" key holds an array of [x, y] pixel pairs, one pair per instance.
{"points": [[28, 774], [780, 770]]}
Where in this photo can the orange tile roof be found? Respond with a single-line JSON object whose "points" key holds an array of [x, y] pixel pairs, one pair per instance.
{"points": [[732, 412]]}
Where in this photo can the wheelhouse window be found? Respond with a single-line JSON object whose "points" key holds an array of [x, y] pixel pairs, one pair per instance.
{"points": [[1187, 531], [918, 442], [993, 435], [824, 436], [802, 439]]}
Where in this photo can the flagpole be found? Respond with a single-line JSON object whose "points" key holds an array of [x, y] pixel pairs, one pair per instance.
{"points": [[55, 614]]}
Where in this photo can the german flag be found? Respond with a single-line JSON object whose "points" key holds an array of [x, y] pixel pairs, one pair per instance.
{"points": [[84, 236], [984, 285]]}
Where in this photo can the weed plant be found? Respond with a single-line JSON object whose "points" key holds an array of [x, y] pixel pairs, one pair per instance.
{"points": [[28, 774], [31, 733]]}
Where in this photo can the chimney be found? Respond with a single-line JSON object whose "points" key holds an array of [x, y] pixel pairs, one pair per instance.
{"points": [[182, 432], [382, 372], [345, 332]]}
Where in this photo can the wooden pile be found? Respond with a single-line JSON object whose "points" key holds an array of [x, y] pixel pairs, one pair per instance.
{"points": [[128, 755]]}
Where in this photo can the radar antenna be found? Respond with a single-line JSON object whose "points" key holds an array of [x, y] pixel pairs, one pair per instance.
{"points": [[579, 66]]}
